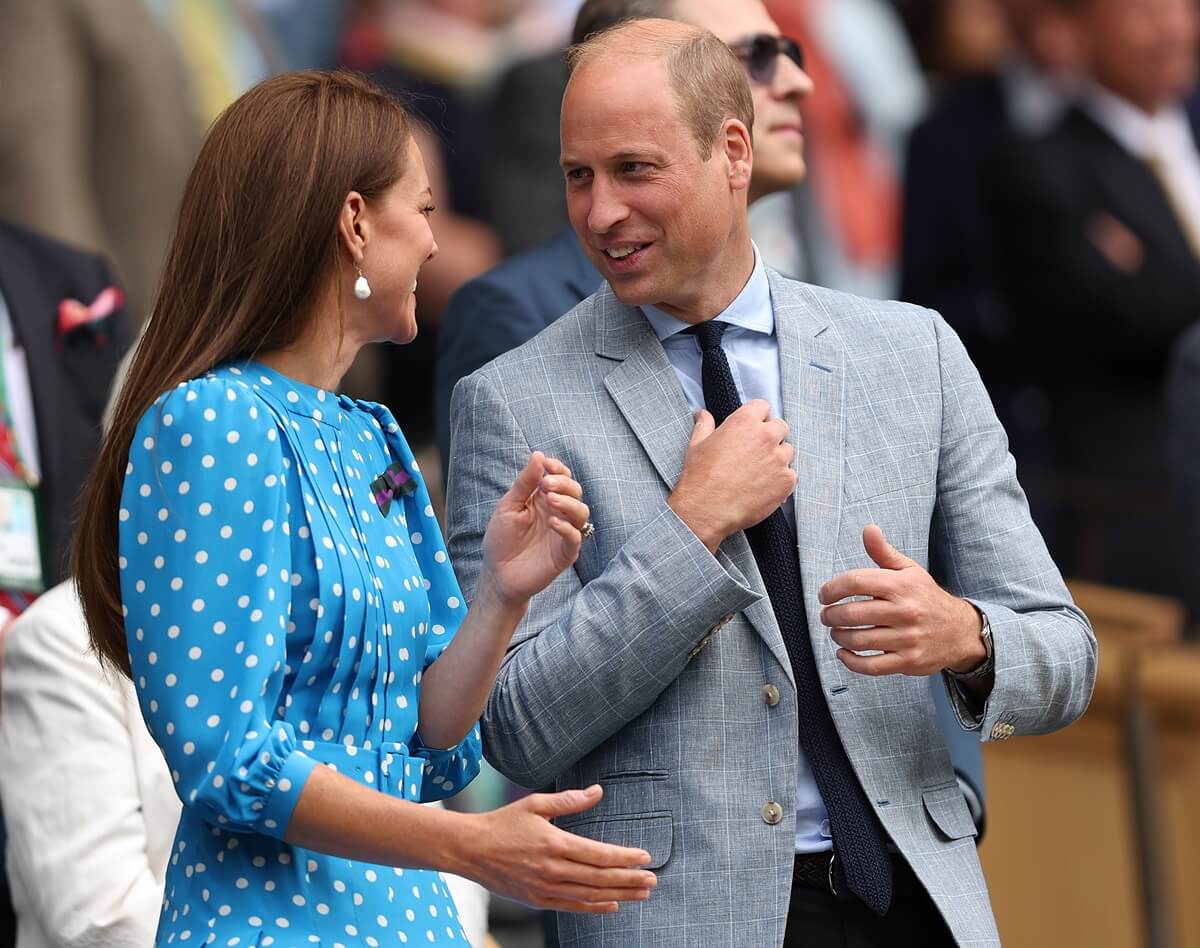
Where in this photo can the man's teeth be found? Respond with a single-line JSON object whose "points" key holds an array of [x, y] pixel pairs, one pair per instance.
{"points": [[619, 253], [414, 289]]}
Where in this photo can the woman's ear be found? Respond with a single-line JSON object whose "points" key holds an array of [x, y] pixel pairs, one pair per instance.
{"points": [[353, 227], [739, 152]]}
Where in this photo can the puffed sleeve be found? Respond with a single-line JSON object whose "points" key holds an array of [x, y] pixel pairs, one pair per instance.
{"points": [[206, 588], [447, 770]]}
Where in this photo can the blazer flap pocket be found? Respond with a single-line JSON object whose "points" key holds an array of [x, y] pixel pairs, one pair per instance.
{"points": [[649, 831], [948, 809]]}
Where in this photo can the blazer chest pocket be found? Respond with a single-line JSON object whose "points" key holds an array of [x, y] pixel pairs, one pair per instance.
{"points": [[883, 470], [652, 832], [948, 810]]}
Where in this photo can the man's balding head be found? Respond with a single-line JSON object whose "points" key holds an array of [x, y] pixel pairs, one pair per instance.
{"points": [[707, 81]]}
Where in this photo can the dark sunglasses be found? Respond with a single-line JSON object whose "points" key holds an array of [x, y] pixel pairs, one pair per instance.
{"points": [[760, 53]]}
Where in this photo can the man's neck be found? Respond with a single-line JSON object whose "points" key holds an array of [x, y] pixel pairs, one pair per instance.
{"points": [[723, 289]]}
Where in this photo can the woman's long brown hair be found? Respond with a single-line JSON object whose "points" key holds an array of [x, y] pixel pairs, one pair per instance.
{"points": [[255, 243]]}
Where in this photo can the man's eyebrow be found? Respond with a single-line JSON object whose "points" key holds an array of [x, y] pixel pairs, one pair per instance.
{"points": [[567, 161]]}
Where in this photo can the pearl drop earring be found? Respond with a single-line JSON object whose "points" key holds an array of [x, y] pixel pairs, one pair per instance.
{"points": [[362, 289]]}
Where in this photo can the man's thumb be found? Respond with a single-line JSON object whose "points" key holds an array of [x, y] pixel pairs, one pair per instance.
{"points": [[883, 553], [705, 425]]}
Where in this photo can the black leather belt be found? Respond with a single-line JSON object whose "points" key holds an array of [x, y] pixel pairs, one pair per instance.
{"points": [[816, 871]]}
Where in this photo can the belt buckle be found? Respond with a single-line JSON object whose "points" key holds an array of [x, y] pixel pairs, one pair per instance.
{"points": [[832, 860]]}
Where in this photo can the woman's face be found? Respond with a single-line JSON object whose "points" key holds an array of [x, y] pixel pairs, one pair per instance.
{"points": [[399, 241]]}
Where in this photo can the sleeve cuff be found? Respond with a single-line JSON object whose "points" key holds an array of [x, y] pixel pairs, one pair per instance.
{"points": [[285, 794]]}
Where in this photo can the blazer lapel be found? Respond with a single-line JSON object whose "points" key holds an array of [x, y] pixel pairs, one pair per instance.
{"points": [[813, 376], [648, 395]]}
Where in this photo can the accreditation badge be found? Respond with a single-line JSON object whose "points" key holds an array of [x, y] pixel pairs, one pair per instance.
{"points": [[20, 554]]}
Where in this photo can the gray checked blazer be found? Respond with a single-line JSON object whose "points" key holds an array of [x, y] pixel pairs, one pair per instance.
{"points": [[645, 667]]}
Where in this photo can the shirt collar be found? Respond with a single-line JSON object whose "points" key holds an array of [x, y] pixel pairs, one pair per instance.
{"points": [[750, 309], [1139, 133]]}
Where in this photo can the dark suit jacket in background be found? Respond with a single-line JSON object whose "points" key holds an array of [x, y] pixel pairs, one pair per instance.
{"points": [[523, 182], [503, 308], [511, 304], [69, 377], [1183, 441], [1104, 336]]}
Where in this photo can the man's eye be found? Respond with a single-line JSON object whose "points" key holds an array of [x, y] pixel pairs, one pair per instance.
{"points": [[428, 209], [632, 167], [577, 174]]}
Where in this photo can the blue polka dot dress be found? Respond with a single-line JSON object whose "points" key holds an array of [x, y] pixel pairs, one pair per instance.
{"points": [[279, 619]]}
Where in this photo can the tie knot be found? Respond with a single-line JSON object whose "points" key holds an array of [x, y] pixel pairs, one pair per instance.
{"points": [[708, 334]]}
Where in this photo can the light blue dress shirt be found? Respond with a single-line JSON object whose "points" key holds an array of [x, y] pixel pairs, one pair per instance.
{"points": [[752, 348]]}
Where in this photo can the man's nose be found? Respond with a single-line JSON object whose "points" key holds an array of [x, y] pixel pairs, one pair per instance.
{"points": [[790, 81], [608, 209]]}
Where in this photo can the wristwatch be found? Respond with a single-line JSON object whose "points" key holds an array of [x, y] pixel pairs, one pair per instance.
{"points": [[988, 665]]}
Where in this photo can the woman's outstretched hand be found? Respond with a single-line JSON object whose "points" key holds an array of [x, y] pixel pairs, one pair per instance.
{"points": [[534, 533], [521, 854]]}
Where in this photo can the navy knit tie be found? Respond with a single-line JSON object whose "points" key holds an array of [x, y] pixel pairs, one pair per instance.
{"points": [[858, 838]]}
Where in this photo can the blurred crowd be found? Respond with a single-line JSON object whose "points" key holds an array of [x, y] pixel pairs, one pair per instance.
{"points": [[1028, 168]]}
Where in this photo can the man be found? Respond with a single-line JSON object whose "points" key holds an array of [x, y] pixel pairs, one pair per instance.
{"points": [[512, 303], [62, 333], [755, 731], [1098, 254]]}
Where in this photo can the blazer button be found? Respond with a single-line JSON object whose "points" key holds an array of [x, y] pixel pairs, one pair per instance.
{"points": [[772, 813], [770, 695], [1002, 731]]}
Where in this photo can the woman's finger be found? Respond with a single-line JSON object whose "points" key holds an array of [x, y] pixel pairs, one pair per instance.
{"points": [[568, 532], [555, 466], [527, 481], [583, 908], [584, 874], [562, 484], [586, 893], [570, 509]]}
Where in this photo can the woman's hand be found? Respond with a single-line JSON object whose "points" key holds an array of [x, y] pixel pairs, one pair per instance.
{"points": [[519, 853], [534, 533]]}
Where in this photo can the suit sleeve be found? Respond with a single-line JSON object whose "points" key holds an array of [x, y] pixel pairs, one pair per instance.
{"points": [[985, 547], [589, 658]]}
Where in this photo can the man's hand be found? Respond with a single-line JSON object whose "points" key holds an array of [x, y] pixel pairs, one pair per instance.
{"points": [[736, 475], [918, 627]]}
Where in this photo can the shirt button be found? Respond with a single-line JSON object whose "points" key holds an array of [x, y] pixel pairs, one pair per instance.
{"points": [[772, 813], [770, 695]]}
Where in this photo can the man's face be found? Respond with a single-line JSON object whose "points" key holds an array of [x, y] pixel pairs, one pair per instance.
{"points": [[1143, 50], [778, 142], [635, 179]]}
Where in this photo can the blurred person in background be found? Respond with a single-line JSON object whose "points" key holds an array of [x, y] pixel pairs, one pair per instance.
{"points": [[955, 39], [841, 227], [1097, 242], [982, 109], [63, 329], [511, 304], [97, 130]]}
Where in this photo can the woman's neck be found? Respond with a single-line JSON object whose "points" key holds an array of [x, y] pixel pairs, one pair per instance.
{"points": [[320, 357]]}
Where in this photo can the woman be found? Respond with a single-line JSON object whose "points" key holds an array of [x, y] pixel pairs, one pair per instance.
{"points": [[259, 555]]}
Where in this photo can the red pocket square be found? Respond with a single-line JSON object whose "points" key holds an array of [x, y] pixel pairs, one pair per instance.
{"points": [[72, 314]]}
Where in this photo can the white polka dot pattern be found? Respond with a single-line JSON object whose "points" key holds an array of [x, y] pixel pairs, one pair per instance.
{"points": [[278, 621]]}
